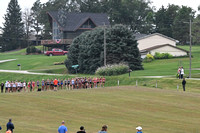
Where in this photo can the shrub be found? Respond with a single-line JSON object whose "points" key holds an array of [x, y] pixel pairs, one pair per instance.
{"points": [[32, 49], [115, 69], [148, 58], [163, 56]]}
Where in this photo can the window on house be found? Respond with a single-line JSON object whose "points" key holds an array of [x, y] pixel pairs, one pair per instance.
{"points": [[88, 24]]}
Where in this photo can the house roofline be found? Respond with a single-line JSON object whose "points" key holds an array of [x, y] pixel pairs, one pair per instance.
{"points": [[157, 34], [60, 27], [159, 46], [84, 22]]}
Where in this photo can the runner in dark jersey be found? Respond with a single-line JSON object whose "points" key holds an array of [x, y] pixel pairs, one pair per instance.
{"points": [[68, 83], [65, 83], [51, 84], [38, 84], [43, 84], [48, 84], [61, 83], [58, 83]]}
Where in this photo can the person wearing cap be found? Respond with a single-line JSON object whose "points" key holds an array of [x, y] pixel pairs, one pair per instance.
{"points": [[82, 130], [104, 129], [62, 128], [139, 129], [10, 125]]}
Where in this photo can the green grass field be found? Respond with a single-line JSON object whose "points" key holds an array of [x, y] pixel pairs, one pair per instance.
{"points": [[121, 108], [44, 64]]}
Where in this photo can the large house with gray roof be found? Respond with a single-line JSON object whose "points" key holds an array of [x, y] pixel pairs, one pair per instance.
{"points": [[66, 26]]}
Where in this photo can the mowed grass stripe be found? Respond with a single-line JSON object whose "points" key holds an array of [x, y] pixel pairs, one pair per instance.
{"points": [[122, 108]]}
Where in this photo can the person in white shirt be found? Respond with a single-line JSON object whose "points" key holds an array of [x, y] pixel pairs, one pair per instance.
{"points": [[182, 72]]}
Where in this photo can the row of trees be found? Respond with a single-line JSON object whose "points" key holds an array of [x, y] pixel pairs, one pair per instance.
{"points": [[138, 15]]}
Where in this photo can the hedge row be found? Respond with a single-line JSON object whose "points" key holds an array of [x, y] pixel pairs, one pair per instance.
{"points": [[115, 69]]}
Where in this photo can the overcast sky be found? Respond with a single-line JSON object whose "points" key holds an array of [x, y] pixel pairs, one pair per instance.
{"points": [[157, 3]]}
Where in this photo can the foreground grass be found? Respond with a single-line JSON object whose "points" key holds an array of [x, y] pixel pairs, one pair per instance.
{"points": [[121, 108]]}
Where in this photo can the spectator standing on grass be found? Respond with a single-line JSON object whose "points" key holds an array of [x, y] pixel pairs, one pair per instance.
{"points": [[182, 72], [82, 130], [179, 73], [183, 83], [10, 125], [104, 129], [139, 129], [2, 86], [62, 128]]}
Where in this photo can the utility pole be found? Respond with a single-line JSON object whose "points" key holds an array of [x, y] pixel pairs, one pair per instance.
{"points": [[104, 44], [190, 48], [190, 54]]}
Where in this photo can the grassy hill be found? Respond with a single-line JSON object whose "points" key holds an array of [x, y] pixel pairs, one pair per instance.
{"points": [[41, 63], [121, 108]]}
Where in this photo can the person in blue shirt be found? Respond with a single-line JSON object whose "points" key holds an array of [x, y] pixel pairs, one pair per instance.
{"points": [[139, 129], [62, 128]]}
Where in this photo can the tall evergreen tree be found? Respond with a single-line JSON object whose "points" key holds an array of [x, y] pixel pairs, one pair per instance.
{"points": [[13, 31]]}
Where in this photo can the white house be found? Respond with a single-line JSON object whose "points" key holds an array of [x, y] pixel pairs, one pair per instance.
{"points": [[158, 43]]}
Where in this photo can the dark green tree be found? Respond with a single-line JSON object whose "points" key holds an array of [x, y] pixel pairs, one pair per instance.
{"points": [[196, 30], [13, 31], [136, 14], [36, 19], [181, 24], [164, 19], [87, 50]]}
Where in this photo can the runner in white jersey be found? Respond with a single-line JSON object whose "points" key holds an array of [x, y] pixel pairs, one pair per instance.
{"points": [[24, 86], [14, 87], [9, 86], [18, 86]]}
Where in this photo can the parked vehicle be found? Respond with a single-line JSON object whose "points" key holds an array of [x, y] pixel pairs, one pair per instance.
{"points": [[55, 51]]}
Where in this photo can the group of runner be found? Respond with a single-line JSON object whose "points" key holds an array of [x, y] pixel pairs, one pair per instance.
{"points": [[53, 84]]}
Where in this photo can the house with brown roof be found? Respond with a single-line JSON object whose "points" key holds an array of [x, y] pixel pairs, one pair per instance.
{"points": [[150, 44], [67, 26]]}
